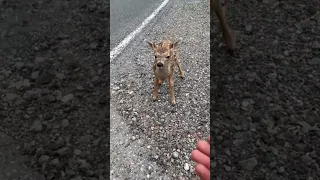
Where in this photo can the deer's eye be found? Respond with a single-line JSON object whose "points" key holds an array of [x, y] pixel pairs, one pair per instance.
{"points": [[155, 56], [168, 57]]}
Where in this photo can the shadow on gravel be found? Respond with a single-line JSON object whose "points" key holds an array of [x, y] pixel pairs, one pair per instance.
{"points": [[53, 86], [265, 104]]}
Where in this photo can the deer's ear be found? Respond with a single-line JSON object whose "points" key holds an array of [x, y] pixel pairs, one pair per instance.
{"points": [[151, 44], [176, 44]]}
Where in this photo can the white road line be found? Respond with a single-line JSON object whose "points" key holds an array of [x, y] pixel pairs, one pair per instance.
{"points": [[124, 43]]}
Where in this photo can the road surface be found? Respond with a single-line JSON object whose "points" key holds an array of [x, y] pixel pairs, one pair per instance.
{"points": [[126, 15], [153, 140]]}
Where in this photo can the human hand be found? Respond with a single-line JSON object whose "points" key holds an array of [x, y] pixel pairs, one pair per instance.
{"points": [[201, 155]]}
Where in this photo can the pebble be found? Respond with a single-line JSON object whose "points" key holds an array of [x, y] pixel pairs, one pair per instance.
{"points": [[35, 75], [65, 123], [314, 61], [36, 126], [44, 79], [175, 155], [43, 159], [281, 169], [39, 60], [249, 164], [60, 76], [273, 75], [227, 168], [67, 98], [248, 28], [94, 45], [77, 152], [56, 162], [63, 151], [186, 167], [11, 96]]}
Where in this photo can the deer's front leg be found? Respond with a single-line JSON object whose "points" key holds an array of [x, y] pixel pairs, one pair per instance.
{"points": [[156, 89], [171, 86]]}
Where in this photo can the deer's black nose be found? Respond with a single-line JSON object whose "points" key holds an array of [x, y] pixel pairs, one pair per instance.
{"points": [[159, 64]]}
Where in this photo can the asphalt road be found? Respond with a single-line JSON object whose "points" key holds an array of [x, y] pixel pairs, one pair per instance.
{"points": [[127, 15]]}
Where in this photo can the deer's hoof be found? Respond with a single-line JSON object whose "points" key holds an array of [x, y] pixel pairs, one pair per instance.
{"points": [[182, 75], [155, 98], [233, 52]]}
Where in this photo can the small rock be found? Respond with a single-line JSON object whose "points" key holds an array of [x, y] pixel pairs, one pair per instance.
{"points": [[35, 75], [56, 162], [186, 167], [238, 142], [44, 79], [175, 155], [286, 53], [60, 142], [84, 164], [306, 159], [67, 98], [97, 142], [281, 170], [94, 45], [50, 98], [65, 123], [249, 164], [65, 151], [31, 95], [86, 138], [60, 76], [273, 75], [43, 159], [248, 28], [280, 31], [227, 168], [316, 45], [39, 60], [36, 126], [77, 152], [246, 102], [11, 96], [314, 61]]}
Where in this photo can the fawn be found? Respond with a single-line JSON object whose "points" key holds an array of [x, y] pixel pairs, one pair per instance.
{"points": [[166, 57], [220, 8]]}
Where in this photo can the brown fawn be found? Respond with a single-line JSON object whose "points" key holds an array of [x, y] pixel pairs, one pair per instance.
{"points": [[220, 9], [166, 57]]}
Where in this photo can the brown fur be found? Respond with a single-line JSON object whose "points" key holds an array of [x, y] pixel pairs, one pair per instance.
{"points": [[167, 55], [220, 9]]}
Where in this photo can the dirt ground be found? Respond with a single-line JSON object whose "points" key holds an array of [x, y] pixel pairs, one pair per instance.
{"points": [[265, 104], [53, 78]]}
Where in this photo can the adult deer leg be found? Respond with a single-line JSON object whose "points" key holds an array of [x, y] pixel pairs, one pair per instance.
{"points": [[220, 8]]}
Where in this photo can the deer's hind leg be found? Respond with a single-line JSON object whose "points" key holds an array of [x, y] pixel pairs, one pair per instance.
{"points": [[220, 8]]}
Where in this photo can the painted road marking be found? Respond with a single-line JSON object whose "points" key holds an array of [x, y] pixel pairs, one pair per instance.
{"points": [[124, 43]]}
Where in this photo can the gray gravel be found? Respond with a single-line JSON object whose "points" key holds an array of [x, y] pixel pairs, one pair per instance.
{"points": [[53, 98], [163, 134], [265, 104]]}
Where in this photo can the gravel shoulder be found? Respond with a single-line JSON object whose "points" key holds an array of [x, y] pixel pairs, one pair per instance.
{"points": [[265, 104], [163, 134], [53, 78]]}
